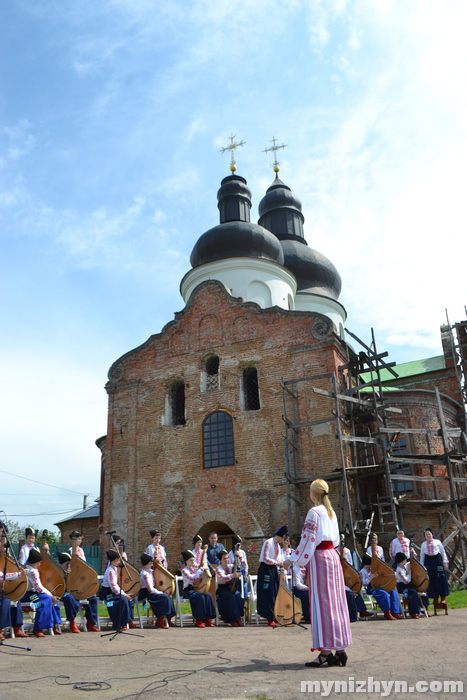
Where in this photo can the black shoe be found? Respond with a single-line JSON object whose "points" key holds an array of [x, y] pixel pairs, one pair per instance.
{"points": [[322, 659], [341, 658]]}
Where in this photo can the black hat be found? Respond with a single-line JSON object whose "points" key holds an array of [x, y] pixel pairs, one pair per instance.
{"points": [[153, 533], [112, 554], [29, 531], [197, 538], [34, 556], [187, 555], [400, 556], [74, 534], [373, 536], [428, 529], [145, 559], [222, 552], [281, 532], [63, 557], [366, 560], [236, 539]]}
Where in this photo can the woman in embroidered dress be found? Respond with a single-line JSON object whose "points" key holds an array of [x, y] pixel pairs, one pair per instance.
{"points": [[330, 625], [434, 558]]}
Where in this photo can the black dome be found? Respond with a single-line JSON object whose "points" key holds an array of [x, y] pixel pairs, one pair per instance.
{"points": [[280, 211], [236, 239], [313, 271], [235, 236]]}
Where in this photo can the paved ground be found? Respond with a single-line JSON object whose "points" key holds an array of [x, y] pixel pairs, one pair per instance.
{"points": [[229, 664]]}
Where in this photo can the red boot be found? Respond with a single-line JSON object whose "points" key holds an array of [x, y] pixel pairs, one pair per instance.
{"points": [[132, 626], [57, 630], [271, 623], [160, 622], [199, 623], [91, 628], [240, 622], [38, 633], [234, 624], [388, 616], [170, 623], [18, 631], [2, 637], [74, 627], [208, 623]]}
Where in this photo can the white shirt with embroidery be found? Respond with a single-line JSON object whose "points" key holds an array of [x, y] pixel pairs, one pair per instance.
{"points": [[271, 553], [224, 575], [243, 560], [365, 576], [379, 552], [147, 581], [198, 556], [111, 578], [299, 574], [79, 553], [398, 545], [162, 555], [24, 553], [10, 576], [431, 549], [190, 575], [403, 573], [35, 583], [318, 527]]}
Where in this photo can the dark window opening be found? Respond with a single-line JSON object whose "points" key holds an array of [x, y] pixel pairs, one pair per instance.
{"points": [[399, 487], [177, 403], [218, 445], [251, 389], [212, 373]]}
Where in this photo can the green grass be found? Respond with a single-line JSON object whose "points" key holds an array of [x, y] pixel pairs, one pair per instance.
{"points": [[186, 610], [457, 599]]}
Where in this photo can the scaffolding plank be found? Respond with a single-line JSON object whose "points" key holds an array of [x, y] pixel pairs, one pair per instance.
{"points": [[355, 438]]}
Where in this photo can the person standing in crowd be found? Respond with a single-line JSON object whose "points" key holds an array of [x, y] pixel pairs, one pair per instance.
{"points": [[434, 558], [156, 550], [268, 577], [330, 624], [214, 550]]}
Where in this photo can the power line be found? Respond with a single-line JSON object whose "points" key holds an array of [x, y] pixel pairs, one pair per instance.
{"points": [[36, 515], [43, 484]]}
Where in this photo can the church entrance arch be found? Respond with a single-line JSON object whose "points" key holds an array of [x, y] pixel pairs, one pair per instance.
{"points": [[224, 533]]}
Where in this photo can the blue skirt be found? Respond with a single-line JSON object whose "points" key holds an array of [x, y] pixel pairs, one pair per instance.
{"points": [[201, 604], [439, 586], [230, 604], [160, 603]]}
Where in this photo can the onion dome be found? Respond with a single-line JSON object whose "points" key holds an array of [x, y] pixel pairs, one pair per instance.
{"points": [[281, 213], [235, 236]]}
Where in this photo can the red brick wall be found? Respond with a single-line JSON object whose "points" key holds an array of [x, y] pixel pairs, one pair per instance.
{"points": [[88, 527]]}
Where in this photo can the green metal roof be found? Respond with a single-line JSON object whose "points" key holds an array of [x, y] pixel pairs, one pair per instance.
{"points": [[408, 369]]}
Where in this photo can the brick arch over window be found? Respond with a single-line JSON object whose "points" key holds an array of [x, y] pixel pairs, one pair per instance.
{"points": [[218, 441]]}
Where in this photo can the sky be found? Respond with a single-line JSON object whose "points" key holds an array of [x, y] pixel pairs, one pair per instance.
{"points": [[112, 117]]}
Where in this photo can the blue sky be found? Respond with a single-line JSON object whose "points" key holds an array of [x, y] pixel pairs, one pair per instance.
{"points": [[112, 115]]}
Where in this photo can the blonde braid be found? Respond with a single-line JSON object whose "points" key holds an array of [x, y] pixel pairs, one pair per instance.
{"points": [[321, 489]]}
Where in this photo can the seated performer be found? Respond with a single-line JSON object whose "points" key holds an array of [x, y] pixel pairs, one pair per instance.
{"points": [[72, 605], [75, 535], [239, 555], [379, 550], [268, 577], [403, 578], [434, 558], [156, 550], [10, 616], [161, 605], [214, 550], [116, 600], [201, 604], [388, 602], [42, 601], [198, 550], [230, 603], [300, 589], [26, 548]]}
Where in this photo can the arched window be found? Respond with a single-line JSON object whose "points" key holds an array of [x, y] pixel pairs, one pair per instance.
{"points": [[218, 444], [251, 389], [177, 403], [211, 370]]}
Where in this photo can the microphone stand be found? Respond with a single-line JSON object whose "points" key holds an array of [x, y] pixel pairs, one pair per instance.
{"points": [[119, 629], [6, 546]]}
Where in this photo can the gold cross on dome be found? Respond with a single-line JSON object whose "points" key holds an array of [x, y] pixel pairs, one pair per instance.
{"points": [[274, 148], [231, 147]]}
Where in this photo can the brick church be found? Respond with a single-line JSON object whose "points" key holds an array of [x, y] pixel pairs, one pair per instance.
{"points": [[195, 438]]}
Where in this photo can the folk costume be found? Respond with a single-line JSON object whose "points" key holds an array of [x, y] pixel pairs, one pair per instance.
{"points": [[198, 550], [161, 605], [330, 626], [10, 616], [403, 578], [116, 600], [41, 600], [26, 548], [242, 561], [230, 604], [72, 605], [79, 550], [399, 545], [434, 558], [388, 602], [300, 589], [352, 605], [157, 550], [201, 604], [268, 577], [379, 552]]}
